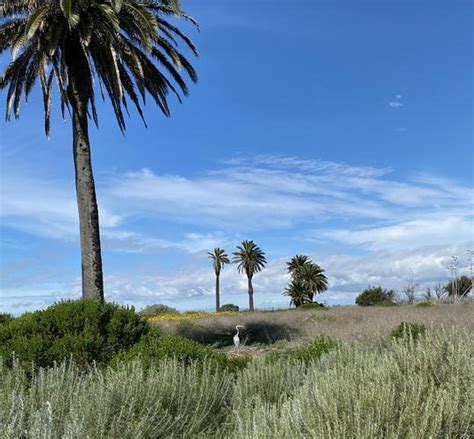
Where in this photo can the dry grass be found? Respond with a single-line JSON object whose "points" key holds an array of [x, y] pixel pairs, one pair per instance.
{"points": [[342, 323]]}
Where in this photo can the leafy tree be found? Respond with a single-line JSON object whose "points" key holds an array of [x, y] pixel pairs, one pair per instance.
{"points": [[307, 279], [461, 287], [219, 259], [157, 309], [251, 260], [376, 296], [128, 46]]}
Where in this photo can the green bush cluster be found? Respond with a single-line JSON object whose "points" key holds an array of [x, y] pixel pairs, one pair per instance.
{"points": [[313, 350], [408, 330], [157, 309], [312, 305], [229, 307], [425, 304], [85, 330], [376, 296]]}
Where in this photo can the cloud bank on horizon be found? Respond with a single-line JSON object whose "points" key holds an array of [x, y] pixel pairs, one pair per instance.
{"points": [[364, 225]]}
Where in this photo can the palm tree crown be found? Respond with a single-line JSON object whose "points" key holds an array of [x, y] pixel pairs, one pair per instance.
{"points": [[219, 259], [298, 293], [307, 279], [296, 262], [118, 42], [312, 277], [250, 258]]}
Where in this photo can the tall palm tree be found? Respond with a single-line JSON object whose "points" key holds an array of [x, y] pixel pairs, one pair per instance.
{"points": [[219, 259], [295, 263], [128, 47], [312, 277], [250, 259]]}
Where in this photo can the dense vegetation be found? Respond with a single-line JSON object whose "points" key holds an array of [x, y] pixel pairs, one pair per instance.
{"points": [[391, 389], [84, 330], [414, 382], [376, 296]]}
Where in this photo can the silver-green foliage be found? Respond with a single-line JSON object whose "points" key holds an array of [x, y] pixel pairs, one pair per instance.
{"points": [[171, 401], [411, 389], [421, 388]]}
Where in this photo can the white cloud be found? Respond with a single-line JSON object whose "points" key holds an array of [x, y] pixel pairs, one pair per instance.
{"points": [[245, 195], [328, 209], [395, 104], [439, 229], [193, 286]]}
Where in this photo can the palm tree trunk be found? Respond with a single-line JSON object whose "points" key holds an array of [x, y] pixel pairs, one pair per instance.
{"points": [[91, 259], [250, 288], [218, 305]]}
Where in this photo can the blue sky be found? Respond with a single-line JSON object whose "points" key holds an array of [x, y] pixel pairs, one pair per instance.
{"points": [[340, 129]]}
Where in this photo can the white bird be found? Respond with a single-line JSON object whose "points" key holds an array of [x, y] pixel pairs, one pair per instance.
{"points": [[236, 336]]}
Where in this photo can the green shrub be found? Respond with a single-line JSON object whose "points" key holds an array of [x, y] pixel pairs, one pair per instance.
{"points": [[5, 318], [376, 296], [312, 305], [85, 330], [408, 330], [229, 307], [462, 287], [313, 350], [155, 310], [152, 349], [425, 304]]}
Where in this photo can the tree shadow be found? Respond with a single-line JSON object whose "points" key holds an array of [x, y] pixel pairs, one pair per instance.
{"points": [[254, 333]]}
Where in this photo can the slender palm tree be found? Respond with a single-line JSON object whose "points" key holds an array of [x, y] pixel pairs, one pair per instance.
{"points": [[313, 279], [219, 258], [124, 48], [250, 259], [295, 263]]}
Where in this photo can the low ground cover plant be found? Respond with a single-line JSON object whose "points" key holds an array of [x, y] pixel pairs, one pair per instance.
{"points": [[189, 315], [425, 304], [408, 330], [312, 305], [153, 348]]}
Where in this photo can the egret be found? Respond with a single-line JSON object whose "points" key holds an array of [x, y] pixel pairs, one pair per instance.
{"points": [[236, 336]]}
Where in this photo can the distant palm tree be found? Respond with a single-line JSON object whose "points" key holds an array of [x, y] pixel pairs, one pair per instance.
{"points": [[219, 259], [250, 259], [126, 46], [298, 293], [296, 262], [307, 279], [313, 279]]}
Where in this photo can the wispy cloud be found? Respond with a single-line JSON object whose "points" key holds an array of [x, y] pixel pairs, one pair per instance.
{"points": [[363, 224], [245, 194]]}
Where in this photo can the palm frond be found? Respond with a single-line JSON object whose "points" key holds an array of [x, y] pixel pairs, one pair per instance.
{"points": [[129, 47]]}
